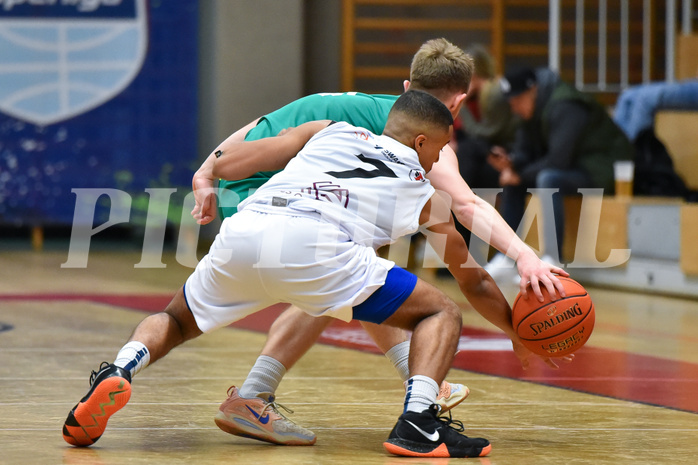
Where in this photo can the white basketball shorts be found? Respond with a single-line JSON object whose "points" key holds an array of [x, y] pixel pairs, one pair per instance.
{"points": [[259, 259]]}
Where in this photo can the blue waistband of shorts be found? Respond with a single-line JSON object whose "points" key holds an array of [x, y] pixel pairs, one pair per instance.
{"points": [[380, 305]]}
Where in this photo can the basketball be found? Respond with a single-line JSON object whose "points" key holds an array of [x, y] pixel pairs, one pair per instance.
{"points": [[555, 327]]}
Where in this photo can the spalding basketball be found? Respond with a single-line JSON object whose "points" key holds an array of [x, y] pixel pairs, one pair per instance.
{"points": [[555, 327]]}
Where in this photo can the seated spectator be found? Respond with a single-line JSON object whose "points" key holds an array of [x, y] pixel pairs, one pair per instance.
{"points": [[567, 141], [485, 121]]}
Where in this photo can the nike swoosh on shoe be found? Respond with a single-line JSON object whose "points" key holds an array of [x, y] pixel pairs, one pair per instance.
{"points": [[262, 419], [430, 436]]}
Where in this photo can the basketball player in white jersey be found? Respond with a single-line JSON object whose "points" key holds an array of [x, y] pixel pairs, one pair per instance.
{"points": [[307, 237]]}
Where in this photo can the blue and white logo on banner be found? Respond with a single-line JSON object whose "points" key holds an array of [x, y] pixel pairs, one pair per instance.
{"points": [[61, 58]]}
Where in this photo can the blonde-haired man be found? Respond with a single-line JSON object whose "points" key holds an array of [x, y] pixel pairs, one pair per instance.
{"points": [[444, 71]]}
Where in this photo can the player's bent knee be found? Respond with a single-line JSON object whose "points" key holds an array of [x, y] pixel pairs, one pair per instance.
{"points": [[178, 310], [452, 313]]}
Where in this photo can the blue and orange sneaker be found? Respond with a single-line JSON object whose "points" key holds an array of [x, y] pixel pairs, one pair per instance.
{"points": [[110, 390], [259, 418], [425, 434]]}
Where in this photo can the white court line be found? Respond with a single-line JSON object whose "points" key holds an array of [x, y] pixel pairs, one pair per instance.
{"points": [[610, 403], [364, 428]]}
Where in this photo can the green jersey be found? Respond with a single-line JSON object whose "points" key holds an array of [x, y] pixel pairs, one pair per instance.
{"points": [[362, 110]]}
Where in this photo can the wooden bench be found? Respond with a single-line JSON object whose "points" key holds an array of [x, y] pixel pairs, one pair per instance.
{"points": [[612, 232], [614, 228], [678, 131]]}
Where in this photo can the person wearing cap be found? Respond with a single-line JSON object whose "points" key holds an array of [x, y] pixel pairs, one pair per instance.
{"points": [[567, 141]]}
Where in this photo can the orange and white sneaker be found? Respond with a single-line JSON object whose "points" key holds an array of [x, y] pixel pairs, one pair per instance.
{"points": [[110, 390], [259, 418], [450, 395]]}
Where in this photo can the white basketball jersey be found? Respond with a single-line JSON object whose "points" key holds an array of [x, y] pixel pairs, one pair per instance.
{"points": [[372, 187]]}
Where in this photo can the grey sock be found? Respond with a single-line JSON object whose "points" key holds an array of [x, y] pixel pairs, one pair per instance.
{"points": [[265, 376]]}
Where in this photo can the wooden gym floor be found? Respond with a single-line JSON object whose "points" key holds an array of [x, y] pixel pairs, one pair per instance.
{"points": [[630, 397]]}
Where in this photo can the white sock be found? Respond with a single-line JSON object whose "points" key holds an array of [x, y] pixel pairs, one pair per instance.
{"points": [[399, 356], [134, 356], [265, 376], [421, 393]]}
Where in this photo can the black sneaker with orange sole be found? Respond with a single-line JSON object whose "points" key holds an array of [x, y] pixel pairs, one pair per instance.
{"points": [[110, 390], [425, 434]]}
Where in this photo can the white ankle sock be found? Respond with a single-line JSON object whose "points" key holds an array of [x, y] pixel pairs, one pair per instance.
{"points": [[399, 356], [421, 393], [134, 356], [265, 376]]}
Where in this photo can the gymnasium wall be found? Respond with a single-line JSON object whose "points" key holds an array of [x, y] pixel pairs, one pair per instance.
{"points": [[94, 96], [132, 95], [251, 63]]}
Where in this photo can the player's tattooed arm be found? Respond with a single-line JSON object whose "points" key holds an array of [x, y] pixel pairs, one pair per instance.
{"points": [[203, 182], [243, 159]]}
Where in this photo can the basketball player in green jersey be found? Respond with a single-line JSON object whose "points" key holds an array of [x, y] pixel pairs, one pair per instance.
{"points": [[362, 110], [443, 70]]}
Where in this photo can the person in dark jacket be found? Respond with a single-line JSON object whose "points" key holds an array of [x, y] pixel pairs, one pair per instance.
{"points": [[567, 141]]}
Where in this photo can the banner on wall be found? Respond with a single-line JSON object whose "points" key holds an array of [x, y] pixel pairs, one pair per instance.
{"points": [[64, 58], [94, 94]]}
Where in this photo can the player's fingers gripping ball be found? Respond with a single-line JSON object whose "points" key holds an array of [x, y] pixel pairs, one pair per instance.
{"points": [[557, 326]]}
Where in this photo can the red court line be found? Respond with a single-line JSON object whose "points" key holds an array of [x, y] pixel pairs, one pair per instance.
{"points": [[610, 373]]}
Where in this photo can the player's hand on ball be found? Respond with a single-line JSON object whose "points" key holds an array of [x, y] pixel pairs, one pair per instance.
{"points": [[537, 275], [524, 355]]}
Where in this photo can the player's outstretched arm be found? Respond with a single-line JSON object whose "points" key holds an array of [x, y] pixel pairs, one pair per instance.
{"points": [[474, 282], [203, 182], [484, 221], [246, 158]]}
